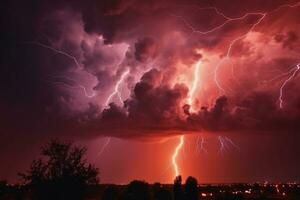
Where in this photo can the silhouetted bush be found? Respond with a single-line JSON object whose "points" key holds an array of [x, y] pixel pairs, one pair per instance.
{"points": [[137, 190], [110, 193], [61, 173], [191, 189], [160, 193]]}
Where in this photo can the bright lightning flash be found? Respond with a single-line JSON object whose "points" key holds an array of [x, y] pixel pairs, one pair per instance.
{"points": [[200, 145], [225, 144], [175, 154], [117, 89], [261, 15], [74, 85], [108, 100], [190, 101], [194, 85], [104, 146], [76, 62], [284, 83]]}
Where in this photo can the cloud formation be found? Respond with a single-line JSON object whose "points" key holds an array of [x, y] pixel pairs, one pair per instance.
{"points": [[62, 61]]}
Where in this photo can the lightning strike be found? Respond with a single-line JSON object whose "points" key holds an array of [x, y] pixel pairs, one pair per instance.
{"points": [[104, 146], [232, 143], [190, 101], [194, 85], [232, 43], [73, 58], [77, 85], [227, 21], [280, 98], [108, 100], [224, 141], [175, 154], [200, 144], [280, 76], [222, 144], [225, 144], [117, 88]]}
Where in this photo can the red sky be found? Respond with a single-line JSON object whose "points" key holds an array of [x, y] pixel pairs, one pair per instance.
{"points": [[145, 72]]}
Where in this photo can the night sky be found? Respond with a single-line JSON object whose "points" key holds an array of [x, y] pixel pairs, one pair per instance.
{"points": [[132, 79]]}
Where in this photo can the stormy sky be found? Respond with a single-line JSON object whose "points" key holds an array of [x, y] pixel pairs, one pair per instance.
{"points": [[136, 75]]}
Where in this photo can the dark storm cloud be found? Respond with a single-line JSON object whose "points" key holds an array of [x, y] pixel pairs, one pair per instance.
{"points": [[152, 108], [144, 49], [154, 102], [256, 112], [27, 97]]}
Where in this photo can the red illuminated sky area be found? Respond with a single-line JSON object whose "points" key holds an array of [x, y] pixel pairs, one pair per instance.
{"points": [[154, 88]]}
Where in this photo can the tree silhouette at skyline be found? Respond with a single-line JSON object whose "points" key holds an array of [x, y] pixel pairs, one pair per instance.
{"points": [[61, 172]]}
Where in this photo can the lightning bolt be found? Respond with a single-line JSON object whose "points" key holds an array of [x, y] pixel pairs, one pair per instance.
{"points": [[228, 19], [104, 146], [218, 27], [117, 88], [222, 144], [116, 91], [225, 141], [280, 98], [200, 144], [232, 43], [190, 101], [261, 15], [225, 144], [83, 88], [232, 143], [175, 154], [280, 75], [74, 59], [194, 85]]}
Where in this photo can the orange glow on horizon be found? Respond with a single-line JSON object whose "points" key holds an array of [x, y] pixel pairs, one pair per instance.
{"points": [[178, 147]]}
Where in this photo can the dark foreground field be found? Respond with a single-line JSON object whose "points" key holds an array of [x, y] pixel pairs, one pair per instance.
{"points": [[140, 190]]}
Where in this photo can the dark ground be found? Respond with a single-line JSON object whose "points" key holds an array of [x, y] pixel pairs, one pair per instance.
{"points": [[141, 190]]}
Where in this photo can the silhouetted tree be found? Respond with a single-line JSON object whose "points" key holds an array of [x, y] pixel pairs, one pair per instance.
{"points": [[191, 189], [61, 172], [110, 193], [137, 190], [177, 188], [160, 193]]}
